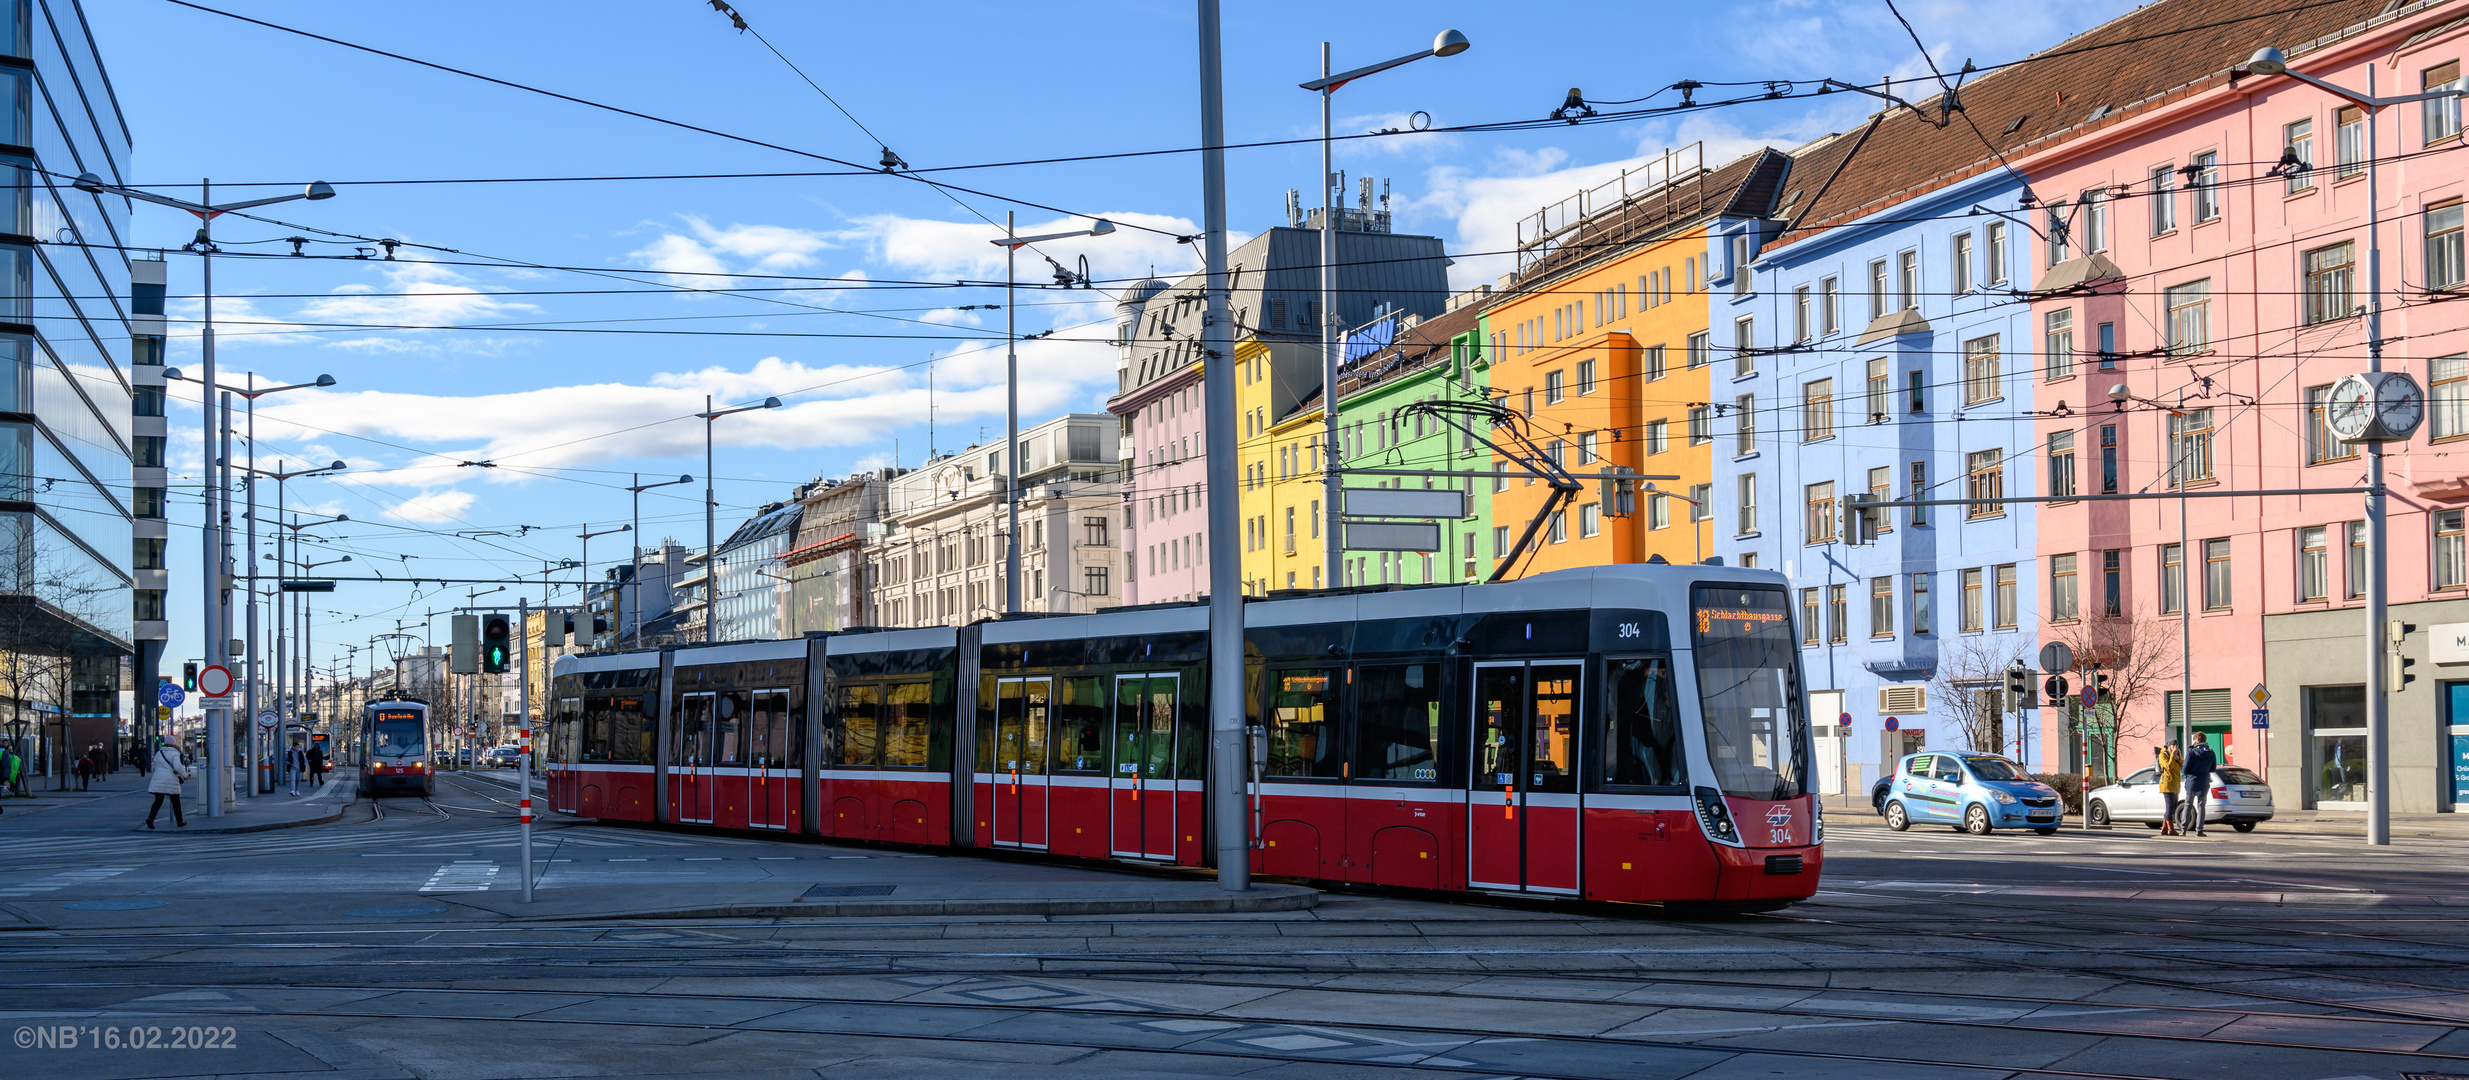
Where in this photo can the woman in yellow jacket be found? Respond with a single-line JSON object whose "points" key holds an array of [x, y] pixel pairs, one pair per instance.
{"points": [[2172, 773]]}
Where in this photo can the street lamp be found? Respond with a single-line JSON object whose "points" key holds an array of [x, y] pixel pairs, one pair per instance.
{"points": [[585, 603], [1011, 244], [638, 488], [281, 503], [2186, 649], [711, 544], [2270, 61], [1449, 43], [216, 497]]}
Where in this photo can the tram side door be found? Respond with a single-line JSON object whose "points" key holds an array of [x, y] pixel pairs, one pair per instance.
{"points": [[564, 748], [1523, 821], [1021, 707], [772, 761], [694, 780], [1142, 787]]}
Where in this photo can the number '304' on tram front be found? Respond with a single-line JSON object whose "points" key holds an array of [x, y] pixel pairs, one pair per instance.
{"points": [[1628, 734]]}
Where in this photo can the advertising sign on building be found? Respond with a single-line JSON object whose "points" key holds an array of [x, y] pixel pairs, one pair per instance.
{"points": [[2448, 643]]}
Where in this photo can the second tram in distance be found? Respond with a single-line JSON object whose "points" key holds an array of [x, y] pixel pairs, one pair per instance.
{"points": [[394, 748], [1624, 733]]}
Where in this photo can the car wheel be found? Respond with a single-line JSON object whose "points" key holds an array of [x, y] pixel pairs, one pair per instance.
{"points": [[2242, 826], [1976, 820], [1895, 818], [2098, 814]]}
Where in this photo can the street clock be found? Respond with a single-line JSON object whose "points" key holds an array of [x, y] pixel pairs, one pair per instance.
{"points": [[2376, 406]]}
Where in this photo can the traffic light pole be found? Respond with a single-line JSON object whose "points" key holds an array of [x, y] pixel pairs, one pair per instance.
{"points": [[523, 720]]}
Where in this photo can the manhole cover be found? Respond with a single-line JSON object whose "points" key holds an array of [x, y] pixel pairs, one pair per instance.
{"points": [[826, 892], [397, 911], [115, 905]]}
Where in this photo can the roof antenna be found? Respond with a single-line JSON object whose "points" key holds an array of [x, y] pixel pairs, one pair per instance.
{"points": [[929, 410]]}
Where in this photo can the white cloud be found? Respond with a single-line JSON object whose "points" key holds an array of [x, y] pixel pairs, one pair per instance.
{"points": [[432, 507], [935, 249], [698, 256]]}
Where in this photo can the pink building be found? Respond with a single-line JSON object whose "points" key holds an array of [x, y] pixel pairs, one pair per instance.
{"points": [[2181, 261]]}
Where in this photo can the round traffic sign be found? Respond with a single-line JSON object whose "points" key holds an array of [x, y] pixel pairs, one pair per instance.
{"points": [[1892, 724], [2057, 656], [214, 680], [170, 694], [267, 720], [1845, 720]]}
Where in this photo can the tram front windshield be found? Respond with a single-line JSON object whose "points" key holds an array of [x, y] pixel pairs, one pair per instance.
{"points": [[400, 734], [1748, 688]]}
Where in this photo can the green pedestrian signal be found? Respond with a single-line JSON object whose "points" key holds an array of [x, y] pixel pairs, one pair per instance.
{"points": [[496, 638]]}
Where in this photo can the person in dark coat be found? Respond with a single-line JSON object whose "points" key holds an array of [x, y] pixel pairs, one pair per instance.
{"points": [[2200, 764], [317, 763]]}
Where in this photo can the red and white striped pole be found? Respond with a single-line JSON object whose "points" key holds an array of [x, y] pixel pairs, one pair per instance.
{"points": [[523, 718]]}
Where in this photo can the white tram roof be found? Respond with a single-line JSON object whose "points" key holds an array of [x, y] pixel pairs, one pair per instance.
{"points": [[739, 652], [875, 641]]}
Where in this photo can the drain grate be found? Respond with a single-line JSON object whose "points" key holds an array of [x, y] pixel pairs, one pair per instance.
{"points": [[826, 892]]}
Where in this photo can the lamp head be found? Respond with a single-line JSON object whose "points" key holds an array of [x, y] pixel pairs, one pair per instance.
{"points": [[625, 528], [1102, 227], [1450, 43], [88, 183], [319, 190], [324, 380], [2266, 61], [171, 373], [684, 479], [771, 403], [345, 558], [2119, 392], [338, 465]]}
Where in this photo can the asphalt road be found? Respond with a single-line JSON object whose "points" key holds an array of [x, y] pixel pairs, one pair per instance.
{"points": [[307, 953]]}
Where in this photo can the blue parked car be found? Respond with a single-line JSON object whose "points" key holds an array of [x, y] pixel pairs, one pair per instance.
{"points": [[1972, 792]]}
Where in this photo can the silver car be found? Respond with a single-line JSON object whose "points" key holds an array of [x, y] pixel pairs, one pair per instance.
{"points": [[2238, 798]]}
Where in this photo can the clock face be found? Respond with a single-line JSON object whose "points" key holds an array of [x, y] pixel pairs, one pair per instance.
{"points": [[2399, 406], [2350, 409]]}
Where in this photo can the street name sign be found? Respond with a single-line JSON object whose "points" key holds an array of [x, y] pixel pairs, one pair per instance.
{"points": [[1405, 503], [1393, 536]]}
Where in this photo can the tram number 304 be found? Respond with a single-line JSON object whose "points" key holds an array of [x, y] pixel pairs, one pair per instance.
{"points": [[1779, 821], [1628, 629]]}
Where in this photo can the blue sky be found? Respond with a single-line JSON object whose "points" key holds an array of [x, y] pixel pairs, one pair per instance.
{"points": [[571, 391]]}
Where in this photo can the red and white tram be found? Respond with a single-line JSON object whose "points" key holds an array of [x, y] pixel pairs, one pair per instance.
{"points": [[1624, 733]]}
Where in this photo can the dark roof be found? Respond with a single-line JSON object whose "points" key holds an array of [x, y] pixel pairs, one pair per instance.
{"points": [[2105, 76], [1744, 187]]}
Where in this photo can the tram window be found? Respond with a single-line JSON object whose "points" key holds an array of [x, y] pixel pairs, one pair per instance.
{"points": [[1303, 735], [631, 729], [1551, 759], [1642, 721], [688, 744], [767, 732], [1748, 685], [1397, 723], [905, 711], [860, 727], [729, 734], [598, 743], [1080, 726]]}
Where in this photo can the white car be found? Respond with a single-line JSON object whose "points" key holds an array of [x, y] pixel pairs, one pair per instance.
{"points": [[2238, 797]]}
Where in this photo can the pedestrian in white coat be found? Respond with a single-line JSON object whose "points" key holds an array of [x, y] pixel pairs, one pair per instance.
{"points": [[169, 773]]}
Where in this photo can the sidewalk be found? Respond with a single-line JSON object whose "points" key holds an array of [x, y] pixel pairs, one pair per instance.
{"points": [[120, 801]]}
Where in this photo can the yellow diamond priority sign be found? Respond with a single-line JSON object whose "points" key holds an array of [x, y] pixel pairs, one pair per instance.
{"points": [[2259, 695]]}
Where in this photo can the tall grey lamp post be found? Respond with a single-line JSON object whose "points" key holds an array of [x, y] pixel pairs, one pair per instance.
{"points": [[1449, 43], [1011, 244], [711, 544], [212, 569], [291, 530], [585, 602], [2270, 61], [638, 488]]}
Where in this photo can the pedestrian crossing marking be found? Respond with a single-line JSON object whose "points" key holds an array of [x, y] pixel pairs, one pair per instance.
{"points": [[462, 875]]}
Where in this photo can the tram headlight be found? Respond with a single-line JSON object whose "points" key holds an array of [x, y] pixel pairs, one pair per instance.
{"points": [[1716, 818], [1817, 821]]}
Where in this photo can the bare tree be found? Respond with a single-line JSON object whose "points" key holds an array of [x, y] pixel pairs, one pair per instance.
{"points": [[2137, 655], [1971, 676], [44, 628]]}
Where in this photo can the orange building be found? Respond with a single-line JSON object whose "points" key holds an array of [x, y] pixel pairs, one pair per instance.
{"points": [[1602, 341]]}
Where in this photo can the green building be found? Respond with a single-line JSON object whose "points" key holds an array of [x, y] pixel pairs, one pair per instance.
{"points": [[1440, 358]]}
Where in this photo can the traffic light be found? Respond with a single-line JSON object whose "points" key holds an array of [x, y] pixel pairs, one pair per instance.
{"points": [[1860, 519], [495, 639], [2099, 685], [553, 630], [188, 676], [2019, 689], [463, 648], [2396, 676]]}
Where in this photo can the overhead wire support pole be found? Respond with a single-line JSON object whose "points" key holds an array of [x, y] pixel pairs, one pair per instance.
{"points": [[523, 717], [1229, 750]]}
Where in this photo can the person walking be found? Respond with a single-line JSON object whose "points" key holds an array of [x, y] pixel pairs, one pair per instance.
{"points": [[13, 776], [79, 768], [295, 763], [169, 773], [317, 763], [2172, 775], [2200, 764]]}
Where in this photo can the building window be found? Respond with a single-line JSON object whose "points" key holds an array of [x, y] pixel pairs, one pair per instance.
{"points": [[1959, 263], [1748, 503], [1838, 613], [1917, 382], [1972, 602], [1800, 313], [2349, 141], [2445, 266], [1820, 526], [2059, 231], [2112, 583], [1093, 580], [2164, 199], [1652, 362], [2190, 318], [2203, 183], [2057, 341], [1922, 619], [2323, 446], [1981, 379], [1585, 376], [146, 502], [2314, 564], [1744, 426], [1658, 511], [2216, 582], [1744, 345], [147, 553], [2005, 599], [1985, 478], [2061, 464], [1881, 390], [1588, 443], [1552, 392], [2190, 447], [1701, 425], [1658, 438], [147, 452], [1920, 490], [1701, 502], [2330, 271], [1882, 490], [148, 606], [2106, 337], [1907, 281], [145, 400], [2356, 531], [2062, 588], [2108, 459], [1589, 520], [1997, 252], [1877, 289], [2451, 552], [1560, 526], [1817, 410], [1740, 266], [2172, 579], [1093, 531], [2442, 115], [1830, 305], [1881, 607], [2092, 214], [2299, 138], [1808, 616]]}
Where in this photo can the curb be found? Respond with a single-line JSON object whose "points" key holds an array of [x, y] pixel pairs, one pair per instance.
{"points": [[1284, 898], [261, 827]]}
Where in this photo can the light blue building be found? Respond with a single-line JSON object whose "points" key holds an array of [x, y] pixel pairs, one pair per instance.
{"points": [[1878, 348]]}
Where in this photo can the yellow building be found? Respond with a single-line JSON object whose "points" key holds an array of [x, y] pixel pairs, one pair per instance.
{"points": [[1603, 342], [1278, 433]]}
